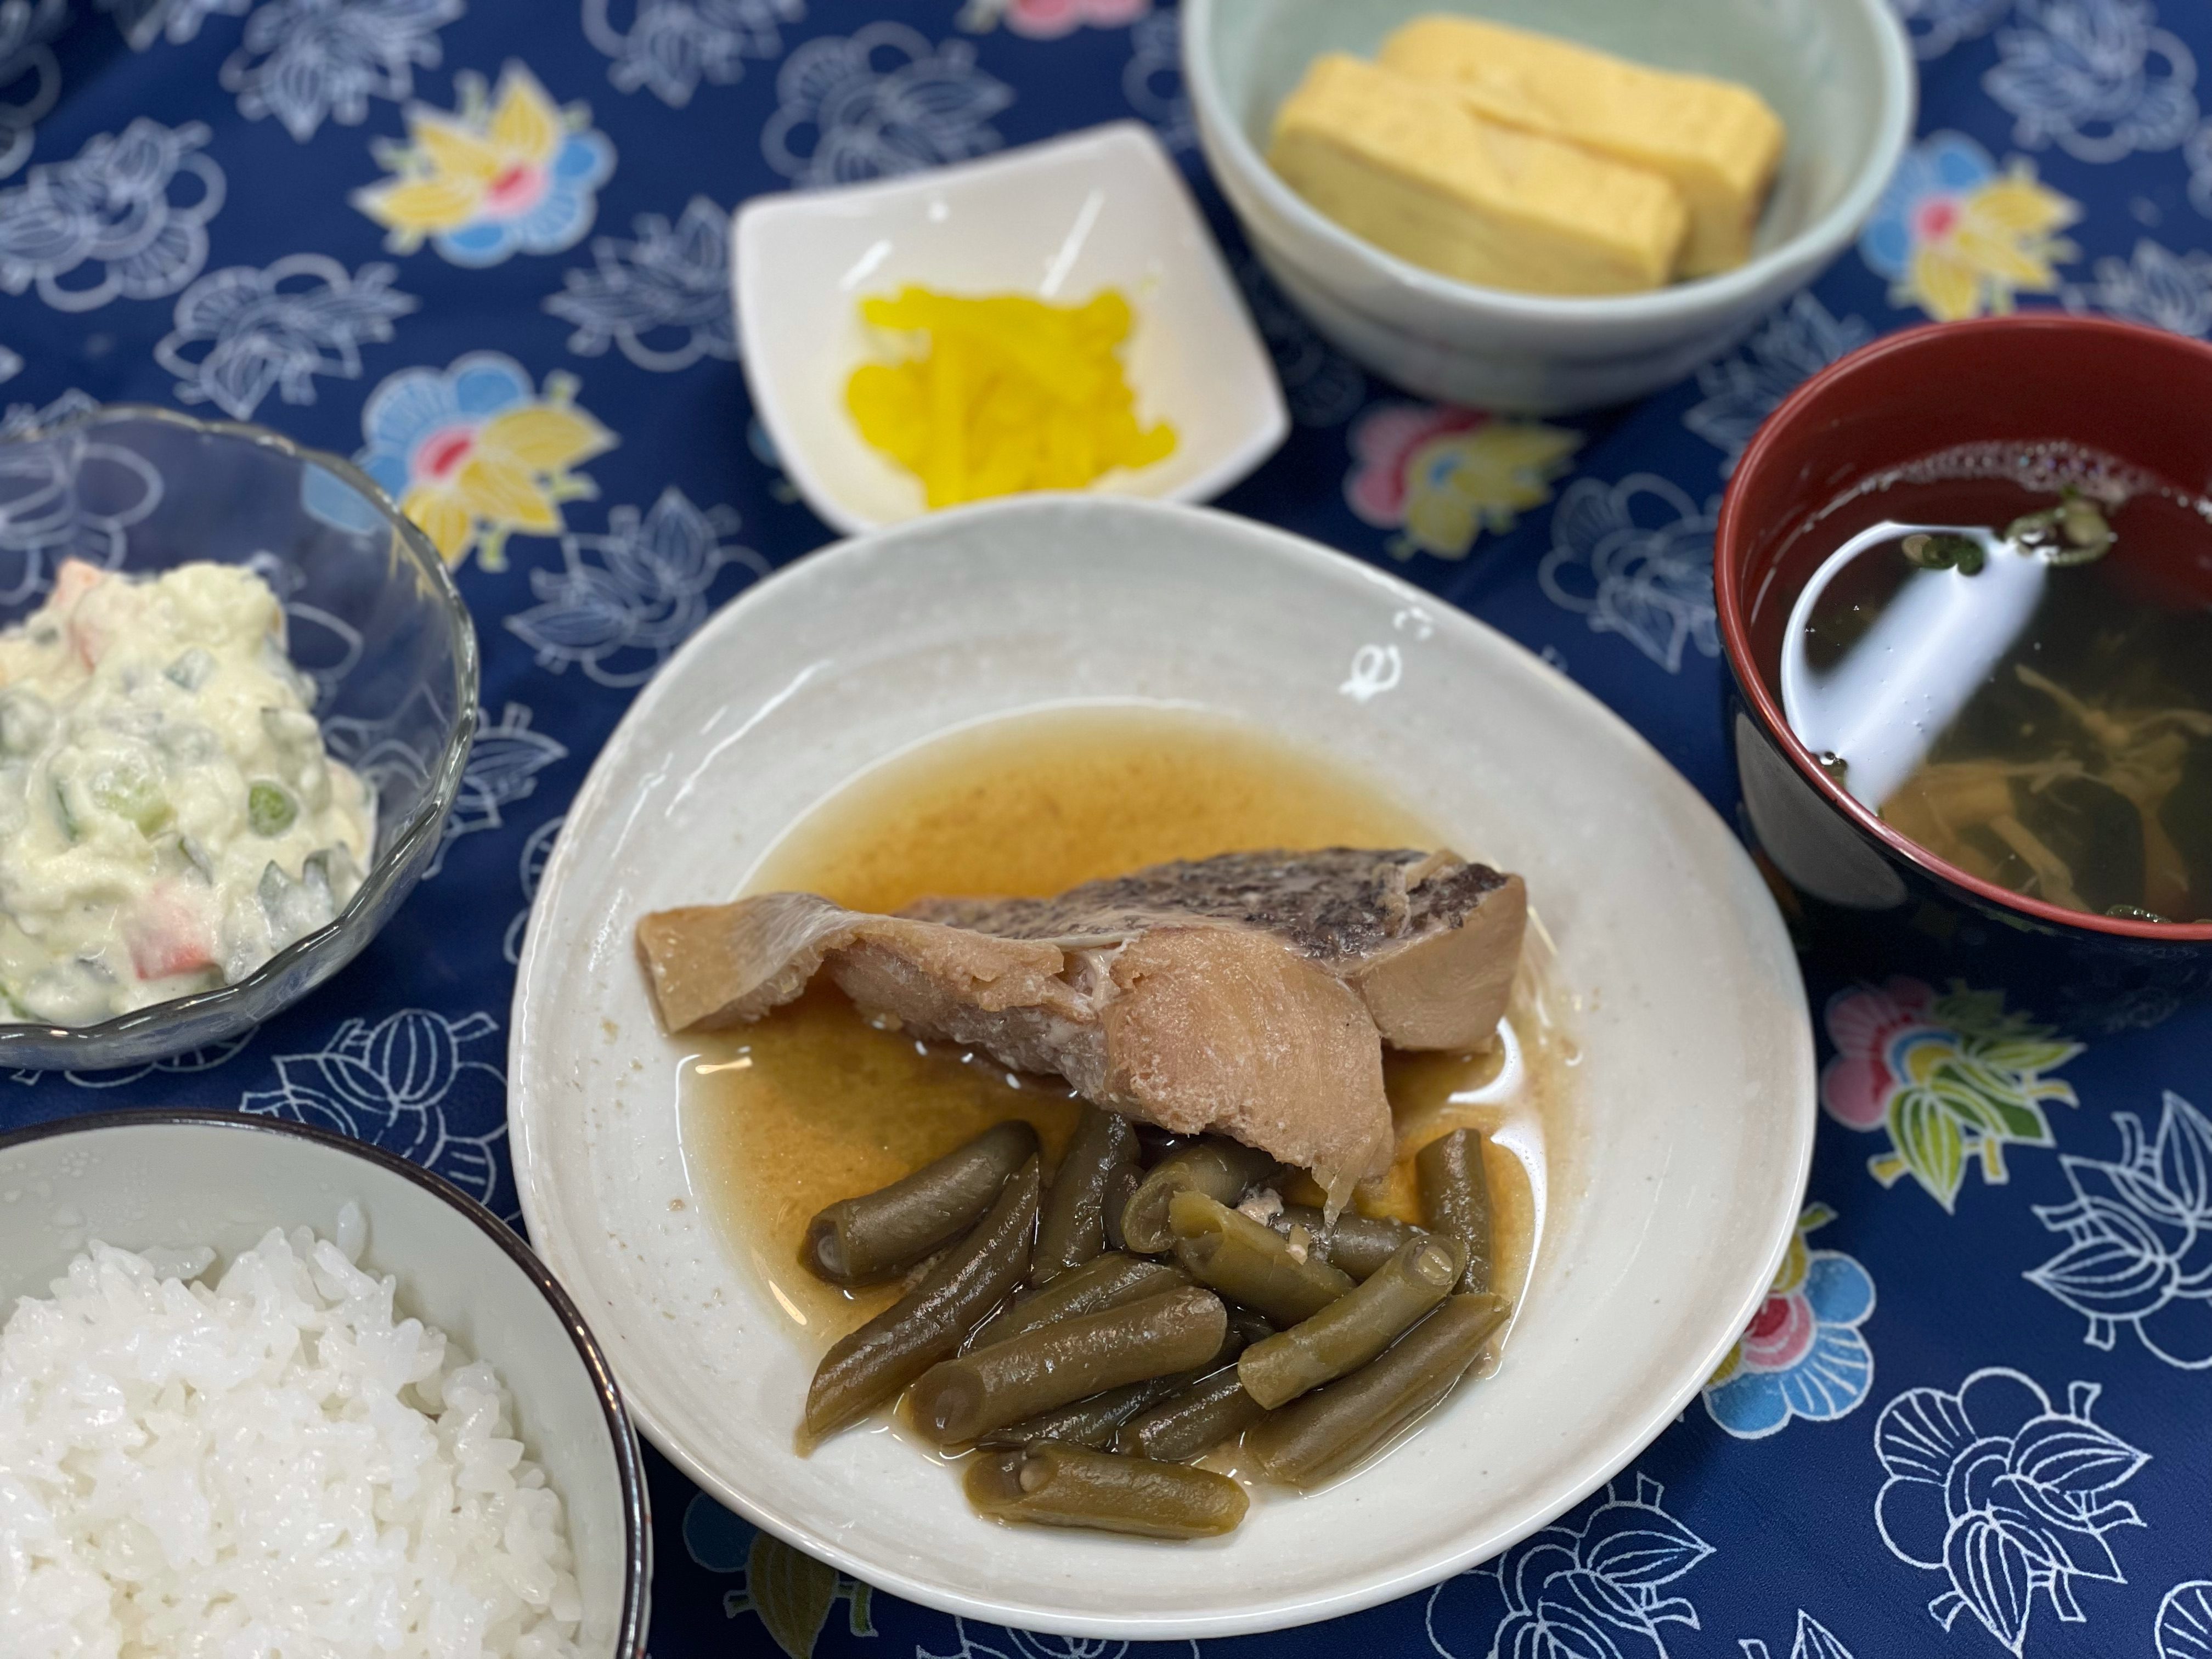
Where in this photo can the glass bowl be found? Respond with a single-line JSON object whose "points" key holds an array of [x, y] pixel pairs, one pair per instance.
{"points": [[374, 621]]}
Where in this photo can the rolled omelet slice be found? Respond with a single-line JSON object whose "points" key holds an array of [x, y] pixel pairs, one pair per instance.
{"points": [[1716, 142], [1407, 164]]}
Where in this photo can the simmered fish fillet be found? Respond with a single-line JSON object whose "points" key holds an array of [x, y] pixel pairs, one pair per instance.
{"points": [[1247, 995], [1429, 940]]}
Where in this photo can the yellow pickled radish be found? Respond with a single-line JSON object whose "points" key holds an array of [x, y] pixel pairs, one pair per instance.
{"points": [[1003, 393]]}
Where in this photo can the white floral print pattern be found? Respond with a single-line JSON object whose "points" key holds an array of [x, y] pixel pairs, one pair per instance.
{"points": [[1152, 81], [410, 1083], [55, 507], [2184, 1629], [2097, 77], [623, 601], [1596, 1591], [879, 102], [308, 61], [535, 852], [240, 333], [1815, 1641], [145, 21], [2153, 285], [1796, 343], [2139, 1238], [126, 219], [670, 46], [20, 418], [1936, 26], [191, 1063], [664, 298], [30, 74], [1636, 559], [2197, 153], [2006, 1495], [502, 770]]}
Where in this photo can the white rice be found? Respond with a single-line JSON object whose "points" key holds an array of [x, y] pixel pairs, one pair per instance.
{"points": [[273, 1469]]}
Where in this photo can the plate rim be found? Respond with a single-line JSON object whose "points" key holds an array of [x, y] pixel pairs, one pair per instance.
{"points": [[1621, 1447]]}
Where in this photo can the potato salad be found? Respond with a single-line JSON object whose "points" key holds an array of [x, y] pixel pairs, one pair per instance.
{"points": [[169, 817]]}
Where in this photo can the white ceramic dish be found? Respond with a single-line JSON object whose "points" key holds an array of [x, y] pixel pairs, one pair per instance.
{"points": [[1058, 221], [179, 1178], [1840, 72], [1682, 1173]]}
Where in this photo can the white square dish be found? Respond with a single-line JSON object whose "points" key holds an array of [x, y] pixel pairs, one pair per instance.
{"points": [[1058, 221]]}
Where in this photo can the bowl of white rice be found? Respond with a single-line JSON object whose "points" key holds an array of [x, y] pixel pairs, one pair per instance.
{"points": [[265, 1389]]}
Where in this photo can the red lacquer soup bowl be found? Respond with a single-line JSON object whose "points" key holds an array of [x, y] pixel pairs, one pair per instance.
{"points": [[1872, 896]]}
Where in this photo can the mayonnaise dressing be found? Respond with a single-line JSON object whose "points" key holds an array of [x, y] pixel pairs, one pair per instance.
{"points": [[169, 817]]}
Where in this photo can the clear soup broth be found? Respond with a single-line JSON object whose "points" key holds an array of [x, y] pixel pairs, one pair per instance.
{"points": [[2008, 655]]}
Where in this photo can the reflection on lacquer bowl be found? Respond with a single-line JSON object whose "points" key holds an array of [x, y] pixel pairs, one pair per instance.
{"points": [[374, 622], [2001, 748]]}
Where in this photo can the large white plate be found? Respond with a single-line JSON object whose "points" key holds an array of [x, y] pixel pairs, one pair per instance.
{"points": [[1673, 1196]]}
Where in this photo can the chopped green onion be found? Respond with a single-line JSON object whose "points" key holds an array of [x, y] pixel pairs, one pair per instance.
{"points": [[26, 721], [131, 792], [1939, 551], [191, 670]]}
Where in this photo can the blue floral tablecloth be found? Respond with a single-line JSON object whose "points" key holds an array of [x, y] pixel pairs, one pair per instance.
{"points": [[483, 246]]}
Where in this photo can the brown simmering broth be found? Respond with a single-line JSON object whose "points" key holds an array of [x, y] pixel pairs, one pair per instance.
{"points": [[814, 1104]]}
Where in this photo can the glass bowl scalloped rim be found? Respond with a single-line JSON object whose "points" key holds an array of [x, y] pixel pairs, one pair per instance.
{"points": [[396, 866]]}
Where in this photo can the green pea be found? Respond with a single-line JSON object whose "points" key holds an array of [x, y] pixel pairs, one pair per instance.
{"points": [[270, 808]]}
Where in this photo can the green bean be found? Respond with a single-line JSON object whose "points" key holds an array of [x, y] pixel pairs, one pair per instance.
{"points": [[1326, 1432], [1053, 1486], [1113, 1280], [1089, 1422], [925, 1325], [1358, 1244], [880, 1235], [1194, 1422], [1122, 1184], [1355, 1328], [1249, 1261], [1247, 1328], [1221, 1169], [1455, 1199], [1072, 1226], [1092, 1422], [1056, 1364]]}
